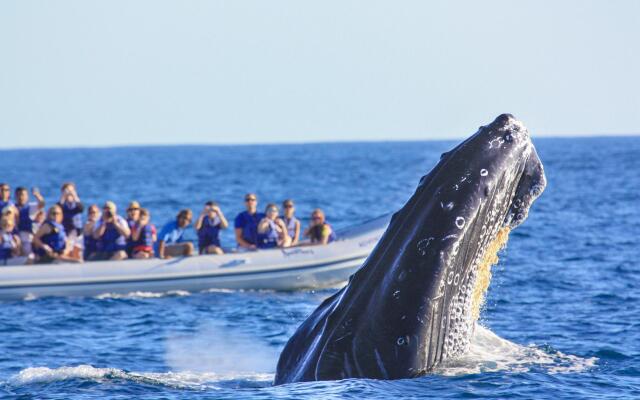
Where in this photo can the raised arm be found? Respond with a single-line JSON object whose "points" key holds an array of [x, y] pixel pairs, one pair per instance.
{"points": [[97, 233], [36, 193], [122, 227], [199, 221], [223, 220], [263, 225]]}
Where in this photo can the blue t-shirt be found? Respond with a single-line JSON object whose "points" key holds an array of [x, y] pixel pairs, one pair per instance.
{"points": [[171, 233], [249, 225]]}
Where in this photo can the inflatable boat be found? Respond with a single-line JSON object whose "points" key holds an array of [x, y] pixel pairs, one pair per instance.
{"points": [[275, 269]]}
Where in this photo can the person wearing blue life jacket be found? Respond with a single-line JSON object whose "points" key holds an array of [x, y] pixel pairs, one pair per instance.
{"points": [[28, 212], [171, 242], [10, 246], [208, 226], [111, 232], [133, 216], [5, 196], [72, 209], [50, 241], [143, 236], [319, 230], [90, 243], [272, 231], [290, 221], [246, 224]]}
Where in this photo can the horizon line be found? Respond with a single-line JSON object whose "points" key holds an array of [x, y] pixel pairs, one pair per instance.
{"points": [[293, 142]]}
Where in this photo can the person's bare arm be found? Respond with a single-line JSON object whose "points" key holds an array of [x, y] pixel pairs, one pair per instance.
{"points": [[199, 222], [17, 246], [240, 240], [45, 229], [223, 221], [285, 240], [39, 198], [122, 227], [296, 236], [263, 225], [97, 234], [76, 198], [161, 248]]}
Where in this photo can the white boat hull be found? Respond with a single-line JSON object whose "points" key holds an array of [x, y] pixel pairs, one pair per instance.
{"points": [[277, 269]]}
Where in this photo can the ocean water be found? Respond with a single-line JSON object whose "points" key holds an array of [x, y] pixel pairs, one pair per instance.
{"points": [[562, 319]]}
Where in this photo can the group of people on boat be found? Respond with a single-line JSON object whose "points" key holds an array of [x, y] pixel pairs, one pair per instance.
{"points": [[29, 234]]}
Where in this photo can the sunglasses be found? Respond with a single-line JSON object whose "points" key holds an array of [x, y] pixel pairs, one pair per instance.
{"points": [[288, 206], [250, 199]]}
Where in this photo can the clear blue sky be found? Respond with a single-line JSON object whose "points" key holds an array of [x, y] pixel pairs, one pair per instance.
{"points": [[93, 73]]}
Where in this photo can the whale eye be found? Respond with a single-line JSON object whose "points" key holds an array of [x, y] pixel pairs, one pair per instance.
{"points": [[396, 294], [460, 222], [484, 172], [508, 137]]}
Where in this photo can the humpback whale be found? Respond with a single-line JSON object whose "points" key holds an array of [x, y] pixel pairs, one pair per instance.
{"points": [[415, 301]]}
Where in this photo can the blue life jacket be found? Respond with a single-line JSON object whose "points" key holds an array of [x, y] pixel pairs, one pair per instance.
{"points": [[90, 245], [4, 204], [56, 239], [111, 240], [6, 247], [208, 234], [332, 235], [268, 239], [291, 226], [25, 223]]}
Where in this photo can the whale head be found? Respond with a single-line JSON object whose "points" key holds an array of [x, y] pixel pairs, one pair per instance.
{"points": [[414, 302]]}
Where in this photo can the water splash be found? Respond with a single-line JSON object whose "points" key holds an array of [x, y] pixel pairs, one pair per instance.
{"points": [[221, 350], [180, 380], [490, 353], [142, 295]]}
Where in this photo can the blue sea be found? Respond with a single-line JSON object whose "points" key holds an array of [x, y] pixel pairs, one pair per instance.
{"points": [[562, 318]]}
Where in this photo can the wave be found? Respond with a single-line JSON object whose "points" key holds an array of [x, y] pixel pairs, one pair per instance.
{"points": [[142, 295], [185, 380], [490, 353], [242, 362]]}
